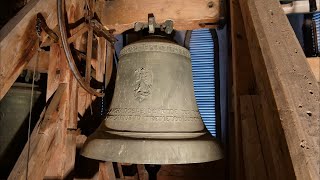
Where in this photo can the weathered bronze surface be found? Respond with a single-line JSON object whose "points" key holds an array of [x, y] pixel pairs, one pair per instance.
{"points": [[153, 117]]}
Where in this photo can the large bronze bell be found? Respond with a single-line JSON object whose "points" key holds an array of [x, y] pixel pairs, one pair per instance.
{"points": [[153, 117]]}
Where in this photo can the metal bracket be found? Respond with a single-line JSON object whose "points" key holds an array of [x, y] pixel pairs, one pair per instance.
{"points": [[42, 25], [101, 31], [167, 26]]}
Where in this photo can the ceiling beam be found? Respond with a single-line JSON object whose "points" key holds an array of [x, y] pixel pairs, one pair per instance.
{"points": [[121, 15]]}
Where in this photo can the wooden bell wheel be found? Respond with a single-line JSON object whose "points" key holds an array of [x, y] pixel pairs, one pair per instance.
{"points": [[93, 28]]}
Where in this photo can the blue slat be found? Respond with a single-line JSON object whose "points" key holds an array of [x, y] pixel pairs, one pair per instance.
{"points": [[202, 56], [316, 18]]}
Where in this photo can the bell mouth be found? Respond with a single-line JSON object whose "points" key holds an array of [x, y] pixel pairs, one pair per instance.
{"points": [[110, 147], [157, 135]]}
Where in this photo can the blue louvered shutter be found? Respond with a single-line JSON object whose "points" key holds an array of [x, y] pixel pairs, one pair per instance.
{"points": [[202, 58], [316, 18]]}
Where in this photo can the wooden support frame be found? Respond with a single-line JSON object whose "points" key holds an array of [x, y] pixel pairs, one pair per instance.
{"points": [[286, 87], [18, 40], [242, 83], [121, 15], [254, 163]]}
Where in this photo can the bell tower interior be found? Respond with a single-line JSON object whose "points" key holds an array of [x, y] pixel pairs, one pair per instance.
{"points": [[167, 90]]}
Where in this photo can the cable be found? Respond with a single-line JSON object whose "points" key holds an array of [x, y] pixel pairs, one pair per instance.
{"points": [[30, 110]]}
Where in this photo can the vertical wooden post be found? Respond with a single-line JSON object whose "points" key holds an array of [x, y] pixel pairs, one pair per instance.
{"points": [[254, 163], [63, 160], [53, 70], [286, 87], [106, 171], [243, 83]]}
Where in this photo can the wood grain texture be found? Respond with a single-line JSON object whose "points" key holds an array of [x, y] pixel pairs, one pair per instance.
{"points": [[287, 89], [42, 64], [186, 15], [314, 64], [53, 70], [42, 146], [242, 83], [18, 40], [252, 151], [52, 108], [265, 138], [106, 172], [62, 161]]}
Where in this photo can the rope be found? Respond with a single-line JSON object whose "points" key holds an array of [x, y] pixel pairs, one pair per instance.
{"points": [[30, 110]]}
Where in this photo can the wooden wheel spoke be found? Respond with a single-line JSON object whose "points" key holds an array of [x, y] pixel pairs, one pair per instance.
{"points": [[89, 56], [77, 32]]}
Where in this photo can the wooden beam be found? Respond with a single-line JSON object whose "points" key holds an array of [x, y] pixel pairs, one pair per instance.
{"points": [[243, 83], [287, 88], [264, 137], [314, 64], [53, 106], [106, 172], [40, 60], [54, 71], [252, 151], [121, 15], [296, 7], [18, 40], [42, 145], [61, 164]]}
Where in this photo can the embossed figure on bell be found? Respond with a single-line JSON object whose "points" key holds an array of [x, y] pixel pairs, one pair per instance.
{"points": [[153, 117], [143, 83]]}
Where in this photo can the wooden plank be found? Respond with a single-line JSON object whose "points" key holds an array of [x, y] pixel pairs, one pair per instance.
{"points": [[120, 170], [42, 146], [109, 63], [265, 139], [142, 172], [53, 70], [296, 7], [314, 64], [286, 86], [121, 15], [18, 40], [252, 152], [101, 59], [106, 172], [61, 164], [53, 106], [42, 64], [243, 82]]}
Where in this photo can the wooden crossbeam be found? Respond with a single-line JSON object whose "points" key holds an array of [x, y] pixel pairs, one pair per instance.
{"points": [[121, 15], [287, 88]]}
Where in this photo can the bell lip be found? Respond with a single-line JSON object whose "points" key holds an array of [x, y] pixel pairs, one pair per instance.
{"points": [[104, 146]]}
